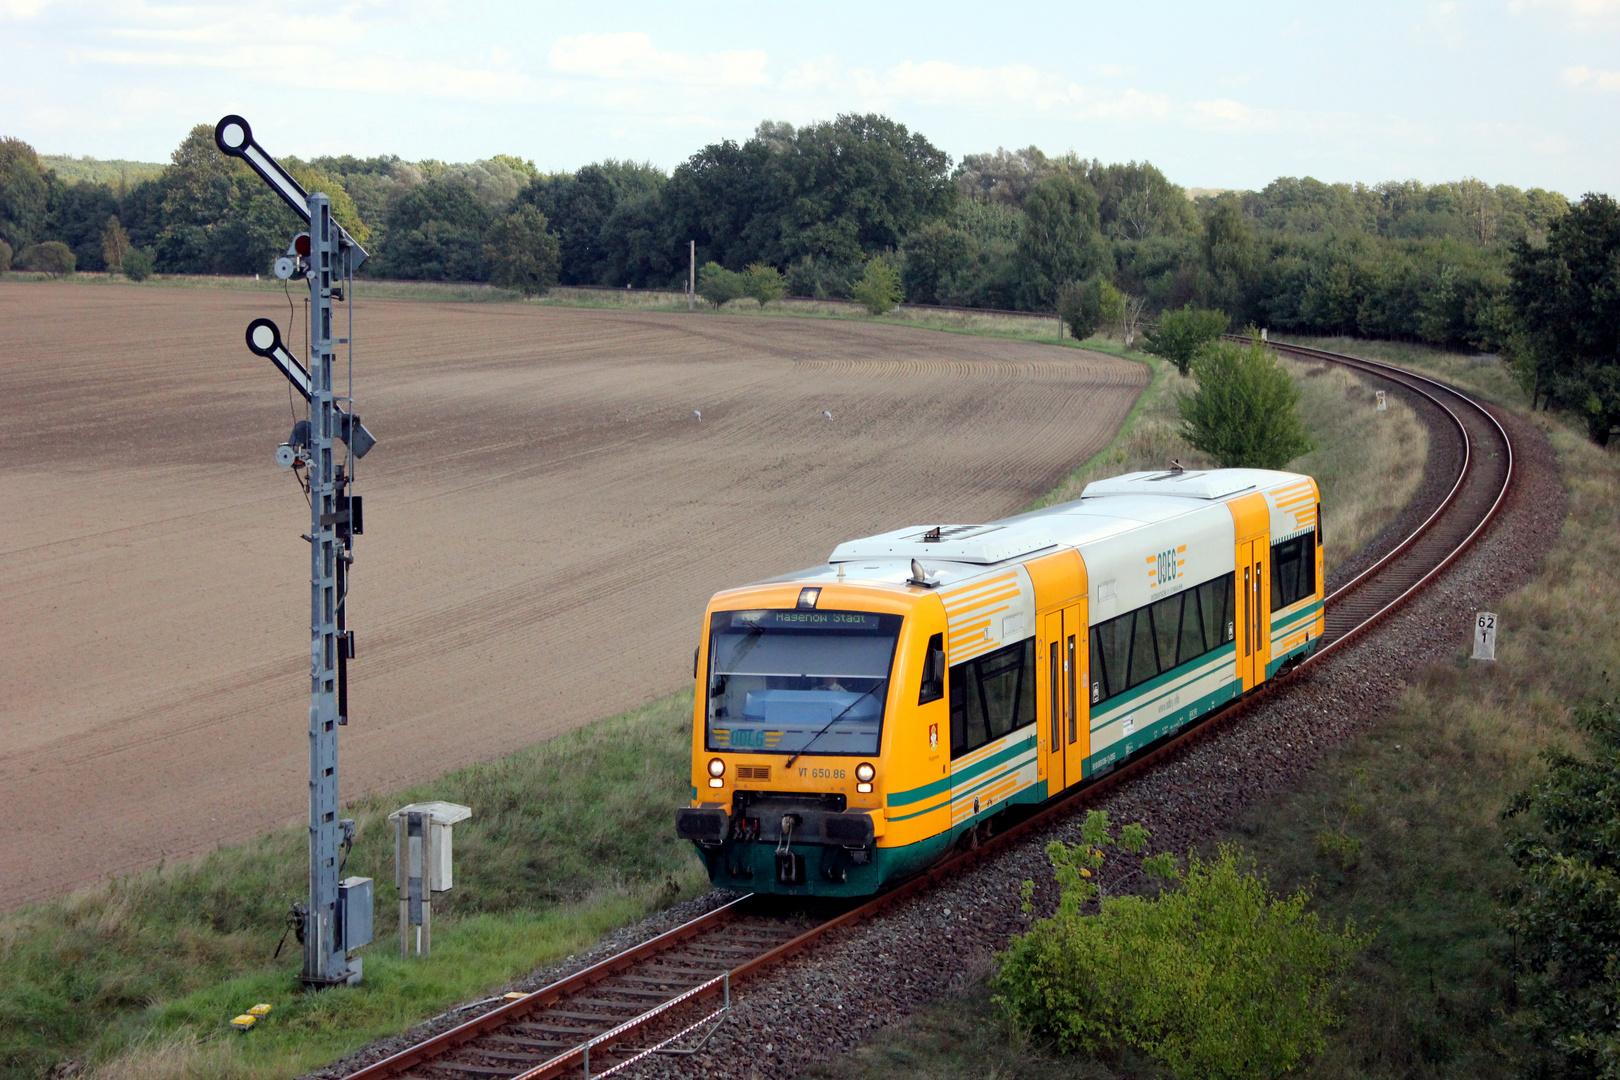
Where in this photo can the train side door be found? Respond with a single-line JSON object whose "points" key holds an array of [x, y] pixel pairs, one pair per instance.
{"points": [[1261, 561], [1059, 582], [1076, 701], [1053, 694], [1253, 610]]}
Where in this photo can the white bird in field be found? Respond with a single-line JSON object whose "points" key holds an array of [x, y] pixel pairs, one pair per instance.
{"points": [[827, 414], [698, 413]]}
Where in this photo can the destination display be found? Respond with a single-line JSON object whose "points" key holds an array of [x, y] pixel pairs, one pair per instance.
{"points": [[805, 620]]}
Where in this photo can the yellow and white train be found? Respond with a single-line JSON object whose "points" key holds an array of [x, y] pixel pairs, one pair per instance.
{"points": [[856, 720]]}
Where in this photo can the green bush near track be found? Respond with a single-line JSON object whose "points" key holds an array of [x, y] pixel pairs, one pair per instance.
{"points": [[1216, 978]]}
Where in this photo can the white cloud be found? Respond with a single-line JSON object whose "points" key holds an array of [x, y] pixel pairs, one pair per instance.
{"points": [[632, 57], [1018, 88], [21, 9], [1583, 76], [1224, 114], [1578, 11]]}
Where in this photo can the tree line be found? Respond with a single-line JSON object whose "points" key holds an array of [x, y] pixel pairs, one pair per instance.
{"points": [[1462, 264]]}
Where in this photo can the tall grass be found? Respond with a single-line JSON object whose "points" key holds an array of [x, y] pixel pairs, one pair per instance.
{"points": [[568, 840]]}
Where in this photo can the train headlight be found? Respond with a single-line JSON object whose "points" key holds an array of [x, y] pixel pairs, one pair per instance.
{"points": [[863, 776], [717, 769]]}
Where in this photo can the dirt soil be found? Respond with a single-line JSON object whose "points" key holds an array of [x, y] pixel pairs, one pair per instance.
{"points": [[545, 518]]}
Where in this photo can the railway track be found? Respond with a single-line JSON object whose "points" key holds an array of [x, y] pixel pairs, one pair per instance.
{"points": [[665, 995]]}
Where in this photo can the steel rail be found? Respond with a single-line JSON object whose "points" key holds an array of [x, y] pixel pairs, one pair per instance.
{"points": [[573, 1061], [1468, 472]]}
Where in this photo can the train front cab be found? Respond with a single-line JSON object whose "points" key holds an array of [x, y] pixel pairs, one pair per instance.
{"points": [[788, 813]]}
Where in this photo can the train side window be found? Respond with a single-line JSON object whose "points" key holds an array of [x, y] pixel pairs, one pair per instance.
{"points": [[992, 696], [1318, 524], [1215, 598], [1074, 705], [1006, 690], [1144, 661], [1052, 669], [1167, 628], [1191, 644], [967, 711], [1130, 649], [933, 676], [1114, 648], [1293, 571], [1099, 668]]}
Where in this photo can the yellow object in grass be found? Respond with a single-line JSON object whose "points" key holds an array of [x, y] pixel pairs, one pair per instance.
{"points": [[244, 1022], [259, 1010]]}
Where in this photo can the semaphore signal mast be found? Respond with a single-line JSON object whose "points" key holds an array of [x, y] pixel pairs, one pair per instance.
{"points": [[337, 917]]}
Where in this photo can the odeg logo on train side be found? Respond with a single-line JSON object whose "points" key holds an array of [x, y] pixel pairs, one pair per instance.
{"points": [[1165, 567]]}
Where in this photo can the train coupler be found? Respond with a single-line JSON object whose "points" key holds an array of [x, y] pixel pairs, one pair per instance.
{"points": [[789, 865]]}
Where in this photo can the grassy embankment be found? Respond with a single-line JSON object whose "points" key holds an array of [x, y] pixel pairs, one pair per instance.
{"points": [[138, 976], [1420, 794]]}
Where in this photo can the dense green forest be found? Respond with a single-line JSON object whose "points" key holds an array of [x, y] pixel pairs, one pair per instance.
{"points": [[1003, 229], [1433, 263]]}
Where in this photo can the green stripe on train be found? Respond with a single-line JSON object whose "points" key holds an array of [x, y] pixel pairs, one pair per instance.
{"points": [[1163, 726], [904, 798], [1162, 685]]}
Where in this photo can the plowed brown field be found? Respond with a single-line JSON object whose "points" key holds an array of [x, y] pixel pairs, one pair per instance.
{"points": [[545, 519]]}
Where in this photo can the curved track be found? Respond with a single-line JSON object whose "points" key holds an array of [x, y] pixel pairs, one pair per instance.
{"points": [[663, 995]]}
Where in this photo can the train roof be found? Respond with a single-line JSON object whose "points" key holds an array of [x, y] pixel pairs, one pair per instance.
{"points": [[1106, 508]]}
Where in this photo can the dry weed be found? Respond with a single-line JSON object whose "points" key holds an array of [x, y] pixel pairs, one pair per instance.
{"points": [[182, 1056]]}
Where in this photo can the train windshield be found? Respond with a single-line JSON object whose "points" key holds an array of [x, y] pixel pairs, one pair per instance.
{"points": [[788, 682]]}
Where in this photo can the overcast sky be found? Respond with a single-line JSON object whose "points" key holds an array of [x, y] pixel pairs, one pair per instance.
{"points": [[1525, 92]]}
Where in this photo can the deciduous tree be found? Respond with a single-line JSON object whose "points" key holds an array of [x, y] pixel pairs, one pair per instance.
{"points": [[52, 257], [763, 283], [879, 288], [718, 285], [1565, 901], [521, 253], [1245, 412], [1087, 305], [23, 194], [137, 264], [1061, 241], [1183, 334], [114, 245], [1566, 298]]}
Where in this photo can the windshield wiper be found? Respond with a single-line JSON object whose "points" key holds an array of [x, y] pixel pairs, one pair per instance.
{"points": [[830, 723]]}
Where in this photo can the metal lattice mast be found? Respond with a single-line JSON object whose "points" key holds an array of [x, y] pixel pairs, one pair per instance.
{"points": [[325, 959], [337, 916]]}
